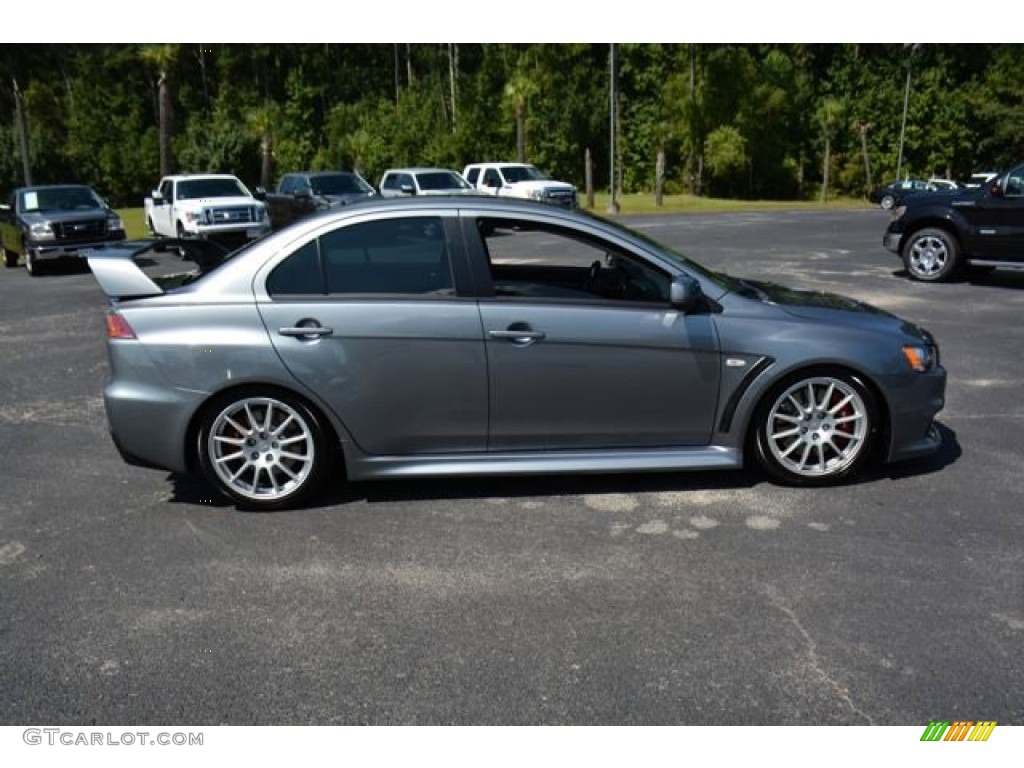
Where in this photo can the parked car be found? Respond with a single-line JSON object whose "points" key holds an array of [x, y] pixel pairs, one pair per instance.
{"points": [[398, 182], [890, 194], [944, 185], [305, 192], [980, 228], [207, 206], [472, 336], [980, 178], [53, 223], [520, 180]]}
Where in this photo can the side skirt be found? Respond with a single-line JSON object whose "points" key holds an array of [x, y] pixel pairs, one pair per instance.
{"points": [[547, 462]]}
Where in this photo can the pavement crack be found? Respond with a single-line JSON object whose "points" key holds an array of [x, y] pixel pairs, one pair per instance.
{"points": [[811, 649]]}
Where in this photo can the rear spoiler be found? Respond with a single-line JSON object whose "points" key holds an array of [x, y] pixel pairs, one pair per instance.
{"points": [[120, 277]]}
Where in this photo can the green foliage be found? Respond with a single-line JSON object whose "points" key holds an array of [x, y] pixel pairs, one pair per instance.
{"points": [[749, 121]]}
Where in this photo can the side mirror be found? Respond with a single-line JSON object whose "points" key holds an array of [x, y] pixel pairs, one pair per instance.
{"points": [[408, 189], [685, 294], [995, 189], [157, 197], [260, 193]]}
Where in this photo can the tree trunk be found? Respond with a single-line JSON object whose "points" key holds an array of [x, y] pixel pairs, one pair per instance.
{"points": [[21, 124], [520, 130], [824, 170], [408, 64], [588, 176], [659, 177], [165, 120], [453, 78], [867, 161], [398, 85], [266, 160]]}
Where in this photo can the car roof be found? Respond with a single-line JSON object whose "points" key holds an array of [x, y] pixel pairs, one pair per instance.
{"points": [[190, 176], [420, 169], [36, 187], [318, 173]]}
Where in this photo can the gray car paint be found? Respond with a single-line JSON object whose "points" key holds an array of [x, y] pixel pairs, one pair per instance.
{"points": [[207, 337]]}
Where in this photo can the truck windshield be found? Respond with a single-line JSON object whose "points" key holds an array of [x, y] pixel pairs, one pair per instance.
{"points": [[197, 188], [339, 184], [516, 173], [59, 199], [441, 180]]}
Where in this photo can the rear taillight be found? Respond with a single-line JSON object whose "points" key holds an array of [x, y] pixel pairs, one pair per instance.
{"points": [[117, 326]]}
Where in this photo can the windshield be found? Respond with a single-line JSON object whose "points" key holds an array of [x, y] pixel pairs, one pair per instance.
{"points": [[197, 188], [725, 282], [434, 180], [339, 184], [59, 199], [516, 173]]}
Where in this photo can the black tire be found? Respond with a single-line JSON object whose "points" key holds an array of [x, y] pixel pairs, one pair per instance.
{"points": [[797, 444], [182, 251], [10, 259], [33, 267], [272, 468], [932, 255], [887, 202]]}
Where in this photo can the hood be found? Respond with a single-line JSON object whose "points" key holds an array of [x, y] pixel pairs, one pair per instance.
{"points": [[89, 214], [218, 202], [334, 201], [831, 308], [543, 184]]}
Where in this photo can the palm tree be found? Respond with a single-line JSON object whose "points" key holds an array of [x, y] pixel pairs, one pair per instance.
{"points": [[260, 122], [162, 58], [518, 91]]}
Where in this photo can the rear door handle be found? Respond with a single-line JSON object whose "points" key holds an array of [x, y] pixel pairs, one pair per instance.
{"points": [[306, 331]]}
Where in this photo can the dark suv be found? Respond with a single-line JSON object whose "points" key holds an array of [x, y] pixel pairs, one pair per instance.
{"points": [[937, 234]]}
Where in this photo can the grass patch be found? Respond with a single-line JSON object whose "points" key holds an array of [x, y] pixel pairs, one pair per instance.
{"points": [[637, 203], [135, 218], [134, 222]]}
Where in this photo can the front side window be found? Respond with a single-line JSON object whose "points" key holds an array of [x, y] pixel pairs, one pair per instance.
{"points": [[406, 255], [1015, 182], [288, 185], [531, 260], [491, 178]]}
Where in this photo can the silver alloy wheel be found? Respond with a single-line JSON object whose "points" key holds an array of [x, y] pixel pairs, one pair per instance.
{"points": [[261, 448], [888, 202], [818, 427], [927, 256]]}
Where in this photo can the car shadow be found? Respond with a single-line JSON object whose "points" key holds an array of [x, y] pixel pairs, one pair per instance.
{"points": [[194, 490], [996, 278]]}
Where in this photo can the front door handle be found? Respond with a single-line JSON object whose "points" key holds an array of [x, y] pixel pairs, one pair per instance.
{"points": [[518, 333]]}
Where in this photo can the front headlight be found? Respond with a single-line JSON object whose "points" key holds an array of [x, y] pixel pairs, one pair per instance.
{"points": [[195, 217], [114, 223], [921, 357], [42, 230], [537, 194]]}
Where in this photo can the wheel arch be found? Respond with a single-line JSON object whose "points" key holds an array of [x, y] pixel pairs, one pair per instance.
{"points": [[764, 394], [934, 221], [263, 388]]}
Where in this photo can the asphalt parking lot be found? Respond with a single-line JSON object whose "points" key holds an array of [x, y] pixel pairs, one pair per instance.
{"points": [[133, 597]]}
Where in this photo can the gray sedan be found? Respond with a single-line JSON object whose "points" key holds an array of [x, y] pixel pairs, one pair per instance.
{"points": [[470, 336]]}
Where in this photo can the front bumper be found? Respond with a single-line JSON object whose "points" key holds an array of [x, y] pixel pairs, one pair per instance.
{"points": [[891, 240], [250, 230], [59, 251], [914, 401]]}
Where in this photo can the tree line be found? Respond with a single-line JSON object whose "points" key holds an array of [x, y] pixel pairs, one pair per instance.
{"points": [[782, 121]]}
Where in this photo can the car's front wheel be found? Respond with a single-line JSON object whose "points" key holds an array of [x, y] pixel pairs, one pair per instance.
{"points": [[266, 450], [816, 428], [32, 266], [931, 255], [887, 202]]}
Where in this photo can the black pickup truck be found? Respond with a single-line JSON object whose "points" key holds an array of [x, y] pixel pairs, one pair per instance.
{"points": [[56, 222], [940, 234], [300, 194]]}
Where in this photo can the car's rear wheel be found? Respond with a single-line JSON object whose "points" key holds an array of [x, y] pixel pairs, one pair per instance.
{"points": [[816, 428], [887, 202], [931, 255], [266, 450]]}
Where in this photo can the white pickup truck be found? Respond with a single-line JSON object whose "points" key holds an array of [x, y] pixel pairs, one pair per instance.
{"points": [[520, 180], [206, 206]]}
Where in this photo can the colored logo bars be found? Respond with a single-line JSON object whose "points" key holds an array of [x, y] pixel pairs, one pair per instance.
{"points": [[960, 730]]}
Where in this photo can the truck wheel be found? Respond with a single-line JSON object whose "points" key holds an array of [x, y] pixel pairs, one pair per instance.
{"points": [[32, 266], [182, 252], [10, 258], [931, 255]]}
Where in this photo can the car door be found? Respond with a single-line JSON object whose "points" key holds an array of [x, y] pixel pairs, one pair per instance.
{"points": [[367, 315], [997, 219], [162, 214], [583, 347]]}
